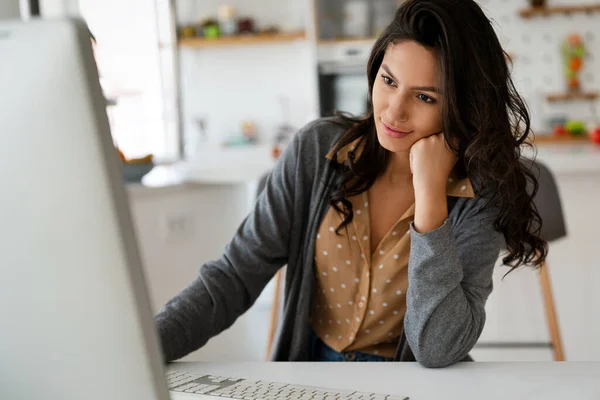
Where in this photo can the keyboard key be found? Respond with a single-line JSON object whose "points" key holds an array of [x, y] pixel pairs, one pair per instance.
{"points": [[182, 388]]}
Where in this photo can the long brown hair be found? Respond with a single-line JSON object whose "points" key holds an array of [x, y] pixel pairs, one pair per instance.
{"points": [[484, 119]]}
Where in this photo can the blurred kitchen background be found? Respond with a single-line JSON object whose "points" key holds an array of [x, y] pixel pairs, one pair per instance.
{"points": [[203, 95]]}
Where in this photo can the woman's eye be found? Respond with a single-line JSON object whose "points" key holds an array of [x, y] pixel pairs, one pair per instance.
{"points": [[426, 98], [387, 80]]}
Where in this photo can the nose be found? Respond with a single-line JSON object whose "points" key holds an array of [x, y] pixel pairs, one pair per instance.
{"points": [[397, 110]]}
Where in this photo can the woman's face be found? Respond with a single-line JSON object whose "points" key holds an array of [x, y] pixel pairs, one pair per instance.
{"points": [[406, 101]]}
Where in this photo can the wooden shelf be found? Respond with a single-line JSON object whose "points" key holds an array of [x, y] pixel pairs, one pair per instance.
{"points": [[571, 96], [242, 40], [541, 138], [545, 11]]}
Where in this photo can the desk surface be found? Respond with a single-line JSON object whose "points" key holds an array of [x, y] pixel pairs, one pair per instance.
{"points": [[464, 381]]}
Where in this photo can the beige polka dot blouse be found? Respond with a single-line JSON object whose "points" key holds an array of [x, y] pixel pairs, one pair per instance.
{"points": [[360, 298]]}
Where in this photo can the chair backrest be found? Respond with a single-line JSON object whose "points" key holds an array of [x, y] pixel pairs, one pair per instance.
{"points": [[547, 201]]}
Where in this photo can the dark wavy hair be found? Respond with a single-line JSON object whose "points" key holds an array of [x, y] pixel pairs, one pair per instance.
{"points": [[485, 121]]}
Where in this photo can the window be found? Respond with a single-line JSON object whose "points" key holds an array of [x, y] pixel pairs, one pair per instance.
{"points": [[133, 75]]}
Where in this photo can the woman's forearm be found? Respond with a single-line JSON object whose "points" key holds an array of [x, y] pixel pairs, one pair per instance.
{"points": [[431, 209]]}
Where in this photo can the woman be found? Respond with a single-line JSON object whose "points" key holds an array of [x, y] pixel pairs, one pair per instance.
{"points": [[390, 225]]}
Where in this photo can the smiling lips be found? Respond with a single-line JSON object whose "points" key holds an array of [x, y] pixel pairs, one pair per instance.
{"points": [[394, 133]]}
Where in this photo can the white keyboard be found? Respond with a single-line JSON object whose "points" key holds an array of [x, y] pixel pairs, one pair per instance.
{"points": [[244, 389]]}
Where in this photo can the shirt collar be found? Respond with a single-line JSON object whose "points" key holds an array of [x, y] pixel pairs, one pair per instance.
{"points": [[456, 187]]}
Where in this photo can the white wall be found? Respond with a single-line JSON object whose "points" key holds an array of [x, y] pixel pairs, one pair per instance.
{"points": [[59, 8], [9, 9], [228, 86], [127, 55]]}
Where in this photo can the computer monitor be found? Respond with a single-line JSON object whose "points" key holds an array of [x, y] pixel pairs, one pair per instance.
{"points": [[75, 320]]}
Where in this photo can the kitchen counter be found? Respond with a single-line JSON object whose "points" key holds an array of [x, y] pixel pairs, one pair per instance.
{"points": [[248, 165], [236, 166], [567, 158]]}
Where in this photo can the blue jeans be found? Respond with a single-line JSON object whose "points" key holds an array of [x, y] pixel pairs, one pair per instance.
{"points": [[321, 352]]}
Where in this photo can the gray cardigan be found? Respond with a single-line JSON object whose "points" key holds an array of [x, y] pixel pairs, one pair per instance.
{"points": [[449, 270]]}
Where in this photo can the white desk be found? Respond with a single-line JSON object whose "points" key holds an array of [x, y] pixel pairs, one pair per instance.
{"points": [[464, 381]]}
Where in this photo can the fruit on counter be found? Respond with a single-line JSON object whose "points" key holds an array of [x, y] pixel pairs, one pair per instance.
{"points": [[595, 135], [560, 130], [576, 128]]}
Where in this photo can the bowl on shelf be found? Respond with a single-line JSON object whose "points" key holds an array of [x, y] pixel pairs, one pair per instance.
{"points": [[134, 172]]}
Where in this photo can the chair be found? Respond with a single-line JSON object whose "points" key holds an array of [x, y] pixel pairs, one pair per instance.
{"points": [[547, 201], [550, 209], [275, 309]]}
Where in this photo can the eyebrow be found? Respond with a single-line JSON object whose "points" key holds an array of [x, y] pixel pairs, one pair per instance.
{"points": [[421, 88]]}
